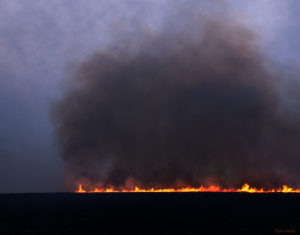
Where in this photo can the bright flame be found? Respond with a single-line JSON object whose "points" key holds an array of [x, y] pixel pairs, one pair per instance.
{"points": [[245, 188]]}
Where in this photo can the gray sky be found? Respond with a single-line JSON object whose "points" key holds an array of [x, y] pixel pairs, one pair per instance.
{"points": [[41, 40]]}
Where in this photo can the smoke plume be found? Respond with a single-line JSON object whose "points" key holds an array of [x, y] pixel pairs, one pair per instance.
{"points": [[192, 105]]}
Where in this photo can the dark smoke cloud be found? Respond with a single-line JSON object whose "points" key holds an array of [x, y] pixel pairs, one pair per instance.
{"points": [[194, 105]]}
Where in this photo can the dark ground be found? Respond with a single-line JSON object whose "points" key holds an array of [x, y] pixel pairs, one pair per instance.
{"points": [[150, 213]]}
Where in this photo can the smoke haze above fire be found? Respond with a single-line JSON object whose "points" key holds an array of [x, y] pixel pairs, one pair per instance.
{"points": [[45, 47], [195, 103]]}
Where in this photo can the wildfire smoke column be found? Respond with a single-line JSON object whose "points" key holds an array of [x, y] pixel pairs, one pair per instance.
{"points": [[191, 105]]}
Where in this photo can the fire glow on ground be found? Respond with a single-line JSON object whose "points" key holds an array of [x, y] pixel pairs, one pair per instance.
{"points": [[246, 188]]}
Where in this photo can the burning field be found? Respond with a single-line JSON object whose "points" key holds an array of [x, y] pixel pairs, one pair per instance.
{"points": [[179, 124], [245, 189]]}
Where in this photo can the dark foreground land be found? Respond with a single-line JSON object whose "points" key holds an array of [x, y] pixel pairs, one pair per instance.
{"points": [[150, 213]]}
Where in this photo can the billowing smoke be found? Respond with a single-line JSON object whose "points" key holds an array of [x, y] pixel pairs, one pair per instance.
{"points": [[193, 105]]}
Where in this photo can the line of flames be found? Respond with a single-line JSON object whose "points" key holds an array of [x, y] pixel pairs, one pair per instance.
{"points": [[245, 188]]}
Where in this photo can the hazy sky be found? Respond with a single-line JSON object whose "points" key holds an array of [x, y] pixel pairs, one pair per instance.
{"points": [[41, 40]]}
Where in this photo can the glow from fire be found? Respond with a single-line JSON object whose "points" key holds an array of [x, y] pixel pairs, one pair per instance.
{"points": [[246, 188]]}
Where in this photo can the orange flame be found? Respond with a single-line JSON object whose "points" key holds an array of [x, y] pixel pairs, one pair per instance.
{"points": [[245, 188]]}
